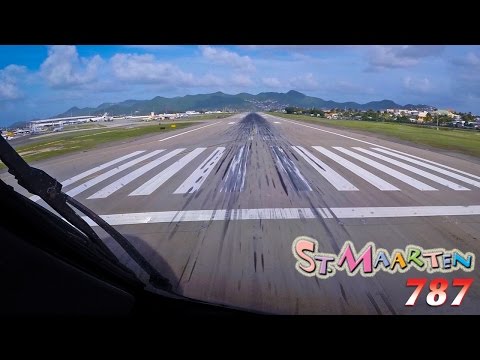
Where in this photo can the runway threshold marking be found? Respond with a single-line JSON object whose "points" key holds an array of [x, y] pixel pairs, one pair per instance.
{"points": [[387, 170], [357, 170], [436, 163], [381, 146], [93, 171], [286, 214], [197, 178], [334, 178], [289, 168], [236, 173], [154, 183], [82, 187], [431, 167], [415, 170], [117, 185]]}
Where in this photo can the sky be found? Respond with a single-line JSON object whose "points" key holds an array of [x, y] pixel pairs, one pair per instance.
{"points": [[42, 81]]}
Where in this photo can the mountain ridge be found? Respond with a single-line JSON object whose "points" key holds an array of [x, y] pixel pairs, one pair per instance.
{"points": [[219, 101]]}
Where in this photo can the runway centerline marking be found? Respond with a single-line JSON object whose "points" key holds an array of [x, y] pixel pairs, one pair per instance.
{"points": [[286, 214]]}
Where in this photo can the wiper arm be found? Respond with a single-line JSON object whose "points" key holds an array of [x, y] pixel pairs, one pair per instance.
{"points": [[155, 277], [38, 182]]}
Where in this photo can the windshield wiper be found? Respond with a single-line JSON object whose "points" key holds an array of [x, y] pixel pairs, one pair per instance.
{"points": [[38, 182]]}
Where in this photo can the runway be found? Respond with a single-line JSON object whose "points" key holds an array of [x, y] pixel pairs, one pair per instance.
{"points": [[216, 208]]}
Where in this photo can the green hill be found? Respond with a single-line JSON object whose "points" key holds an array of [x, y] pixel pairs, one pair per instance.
{"points": [[220, 101]]}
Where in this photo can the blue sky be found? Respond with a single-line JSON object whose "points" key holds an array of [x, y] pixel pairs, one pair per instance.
{"points": [[42, 81]]}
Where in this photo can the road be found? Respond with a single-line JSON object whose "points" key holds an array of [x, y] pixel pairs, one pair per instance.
{"points": [[216, 208]]}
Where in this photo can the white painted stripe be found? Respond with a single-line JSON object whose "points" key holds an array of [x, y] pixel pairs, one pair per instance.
{"points": [[357, 170], [415, 170], [436, 163], [208, 215], [392, 172], [116, 185], [286, 214], [92, 171], [380, 146], [81, 188], [235, 178], [333, 133], [196, 179], [405, 211], [186, 132], [292, 171], [154, 183], [338, 181], [276, 122], [431, 167], [231, 123]]}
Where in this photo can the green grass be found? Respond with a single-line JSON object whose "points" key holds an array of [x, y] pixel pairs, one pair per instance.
{"points": [[85, 126], [464, 141], [83, 140], [210, 116]]}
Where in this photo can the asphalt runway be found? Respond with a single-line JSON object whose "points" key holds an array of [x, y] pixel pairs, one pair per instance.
{"points": [[216, 208]]}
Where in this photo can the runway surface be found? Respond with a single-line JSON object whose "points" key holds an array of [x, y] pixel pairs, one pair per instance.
{"points": [[216, 208]]}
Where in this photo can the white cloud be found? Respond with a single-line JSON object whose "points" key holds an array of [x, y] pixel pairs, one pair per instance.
{"points": [[241, 80], [473, 59], [272, 82], [469, 63], [400, 56], [421, 85], [64, 68], [226, 57], [147, 69], [419, 51], [465, 72], [9, 82], [304, 82]]}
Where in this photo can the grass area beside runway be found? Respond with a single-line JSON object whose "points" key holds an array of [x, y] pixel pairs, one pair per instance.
{"points": [[85, 126], [84, 140], [210, 116], [466, 142]]}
